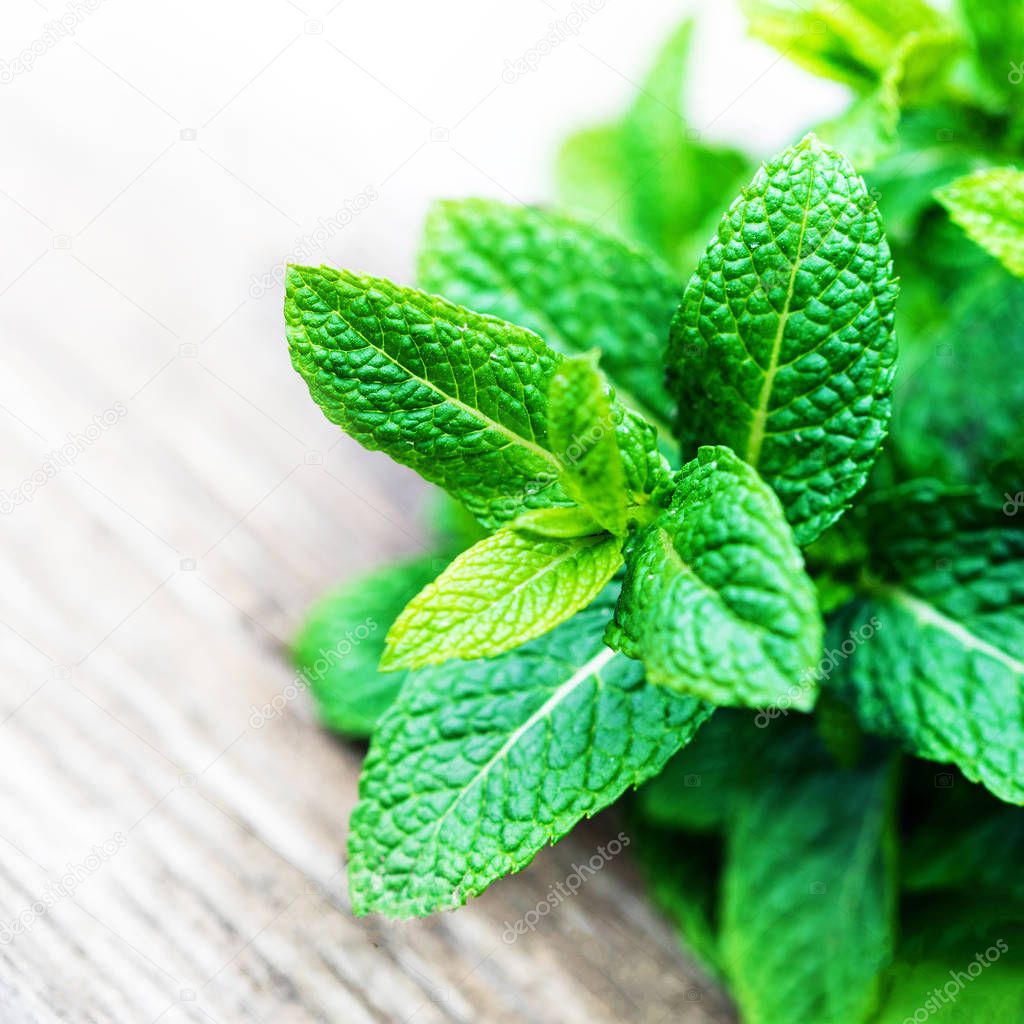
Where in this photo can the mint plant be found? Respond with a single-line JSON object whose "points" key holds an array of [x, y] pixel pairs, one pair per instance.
{"points": [[706, 536]]}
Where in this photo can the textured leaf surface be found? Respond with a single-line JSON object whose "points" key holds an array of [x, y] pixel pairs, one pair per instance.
{"points": [[458, 396], [477, 766], [716, 602], [809, 891], [853, 41], [340, 643], [944, 673], [783, 348], [576, 286], [582, 434], [989, 206], [508, 588], [558, 522]]}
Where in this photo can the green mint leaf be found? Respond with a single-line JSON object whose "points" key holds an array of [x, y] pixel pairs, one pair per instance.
{"points": [[506, 589], [967, 434], [867, 131], [478, 766], [997, 30], [783, 348], [674, 178], [809, 889], [681, 873], [576, 286], [989, 206], [337, 649], [582, 434], [716, 602], [593, 178], [959, 960], [852, 41], [943, 672], [906, 180], [697, 788], [628, 175], [973, 844], [458, 396], [558, 522]]}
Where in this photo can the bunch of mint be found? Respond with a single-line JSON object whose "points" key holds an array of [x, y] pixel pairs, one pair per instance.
{"points": [[678, 553]]}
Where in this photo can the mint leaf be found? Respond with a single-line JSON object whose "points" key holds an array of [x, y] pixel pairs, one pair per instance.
{"points": [[944, 671], [457, 396], [783, 348], [867, 131], [558, 522], [975, 846], [852, 41], [478, 766], [997, 30], [716, 602], [582, 434], [989, 206], [809, 888], [576, 286], [650, 176], [963, 434], [958, 959], [593, 178], [674, 179], [906, 180], [506, 589], [696, 789], [337, 649]]}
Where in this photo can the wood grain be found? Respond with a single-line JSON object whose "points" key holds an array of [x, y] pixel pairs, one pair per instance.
{"points": [[150, 586]]}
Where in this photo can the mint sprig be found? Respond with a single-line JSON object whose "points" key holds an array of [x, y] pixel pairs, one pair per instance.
{"points": [[869, 774]]}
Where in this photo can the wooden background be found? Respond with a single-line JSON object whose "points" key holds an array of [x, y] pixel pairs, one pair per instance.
{"points": [[149, 589]]}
